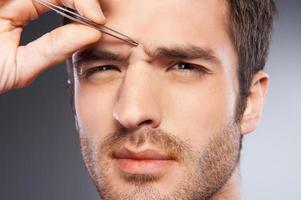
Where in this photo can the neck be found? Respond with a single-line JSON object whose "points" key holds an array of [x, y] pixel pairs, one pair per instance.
{"points": [[231, 190]]}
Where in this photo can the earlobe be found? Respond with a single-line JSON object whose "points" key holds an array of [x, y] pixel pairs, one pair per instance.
{"points": [[255, 101]]}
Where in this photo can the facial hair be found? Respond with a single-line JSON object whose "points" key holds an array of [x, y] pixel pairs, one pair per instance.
{"points": [[206, 170]]}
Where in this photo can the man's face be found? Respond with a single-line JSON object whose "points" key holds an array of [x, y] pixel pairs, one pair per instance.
{"points": [[156, 121]]}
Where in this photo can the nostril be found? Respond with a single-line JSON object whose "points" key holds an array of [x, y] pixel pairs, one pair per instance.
{"points": [[146, 122]]}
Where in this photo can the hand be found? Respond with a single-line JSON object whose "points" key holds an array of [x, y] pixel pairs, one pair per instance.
{"points": [[20, 65]]}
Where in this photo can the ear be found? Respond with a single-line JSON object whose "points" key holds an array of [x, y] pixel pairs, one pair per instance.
{"points": [[255, 101]]}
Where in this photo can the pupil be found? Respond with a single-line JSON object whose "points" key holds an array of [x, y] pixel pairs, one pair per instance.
{"points": [[105, 68], [184, 66]]}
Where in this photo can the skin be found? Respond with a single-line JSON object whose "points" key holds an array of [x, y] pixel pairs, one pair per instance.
{"points": [[142, 95], [146, 100], [17, 68]]}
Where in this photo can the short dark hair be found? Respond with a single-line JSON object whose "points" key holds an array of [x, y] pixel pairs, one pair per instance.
{"points": [[251, 25]]}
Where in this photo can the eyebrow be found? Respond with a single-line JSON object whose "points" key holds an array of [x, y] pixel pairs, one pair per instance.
{"points": [[99, 54], [187, 52]]}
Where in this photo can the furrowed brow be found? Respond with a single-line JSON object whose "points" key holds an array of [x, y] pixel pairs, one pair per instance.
{"points": [[185, 52]]}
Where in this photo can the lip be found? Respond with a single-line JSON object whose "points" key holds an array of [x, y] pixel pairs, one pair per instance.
{"points": [[147, 154], [147, 161]]}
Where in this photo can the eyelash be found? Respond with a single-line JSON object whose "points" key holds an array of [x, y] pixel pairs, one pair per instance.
{"points": [[187, 68], [190, 68], [101, 68]]}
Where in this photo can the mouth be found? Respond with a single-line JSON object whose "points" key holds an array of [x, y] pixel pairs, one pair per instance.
{"points": [[146, 161]]}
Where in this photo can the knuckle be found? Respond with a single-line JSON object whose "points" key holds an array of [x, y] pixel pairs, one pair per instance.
{"points": [[52, 46]]}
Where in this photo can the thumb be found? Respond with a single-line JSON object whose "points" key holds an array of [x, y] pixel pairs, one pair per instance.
{"points": [[52, 48]]}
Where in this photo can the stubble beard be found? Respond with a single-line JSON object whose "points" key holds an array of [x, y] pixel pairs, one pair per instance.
{"points": [[206, 171]]}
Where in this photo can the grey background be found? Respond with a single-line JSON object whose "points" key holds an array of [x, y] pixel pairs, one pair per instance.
{"points": [[39, 154]]}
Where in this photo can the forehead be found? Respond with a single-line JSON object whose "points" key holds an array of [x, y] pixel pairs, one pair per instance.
{"points": [[202, 23], [168, 20]]}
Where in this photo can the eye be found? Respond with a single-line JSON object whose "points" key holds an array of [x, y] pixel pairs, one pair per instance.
{"points": [[185, 67], [101, 69]]}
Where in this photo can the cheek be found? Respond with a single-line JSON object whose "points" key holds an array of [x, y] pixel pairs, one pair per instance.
{"points": [[198, 111], [94, 108]]}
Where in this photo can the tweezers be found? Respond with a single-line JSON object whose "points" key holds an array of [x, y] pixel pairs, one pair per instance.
{"points": [[74, 16]]}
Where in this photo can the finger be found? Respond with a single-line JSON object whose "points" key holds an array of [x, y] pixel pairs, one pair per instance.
{"points": [[20, 12], [7, 58], [51, 49], [90, 9]]}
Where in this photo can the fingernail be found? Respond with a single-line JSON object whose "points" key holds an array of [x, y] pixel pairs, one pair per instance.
{"points": [[98, 16]]}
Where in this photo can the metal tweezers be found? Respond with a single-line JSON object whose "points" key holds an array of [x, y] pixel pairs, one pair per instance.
{"points": [[74, 16]]}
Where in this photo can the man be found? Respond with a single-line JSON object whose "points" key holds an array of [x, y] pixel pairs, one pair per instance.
{"points": [[165, 119]]}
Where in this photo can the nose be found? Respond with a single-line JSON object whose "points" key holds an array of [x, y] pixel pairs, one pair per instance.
{"points": [[137, 104]]}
